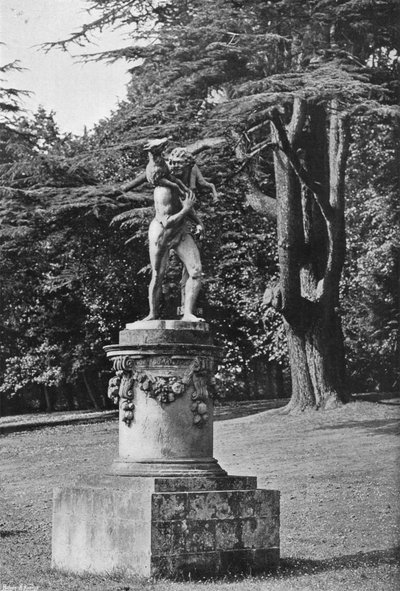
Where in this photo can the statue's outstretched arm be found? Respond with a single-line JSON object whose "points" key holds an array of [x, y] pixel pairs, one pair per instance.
{"points": [[196, 177], [139, 180]]}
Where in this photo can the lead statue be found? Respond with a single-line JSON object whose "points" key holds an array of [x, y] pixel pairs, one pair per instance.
{"points": [[174, 209]]}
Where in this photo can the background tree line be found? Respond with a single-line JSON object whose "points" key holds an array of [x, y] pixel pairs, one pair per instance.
{"points": [[284, 97]]}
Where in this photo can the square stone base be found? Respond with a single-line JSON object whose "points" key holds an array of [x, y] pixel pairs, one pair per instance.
{"points": [[192, 526]]}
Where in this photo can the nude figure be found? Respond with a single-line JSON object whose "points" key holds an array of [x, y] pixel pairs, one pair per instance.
{"points": [[170, 230]]}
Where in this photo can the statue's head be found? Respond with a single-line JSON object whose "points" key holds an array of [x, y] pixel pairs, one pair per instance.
{"points": [[179, 159], [156, 146]]}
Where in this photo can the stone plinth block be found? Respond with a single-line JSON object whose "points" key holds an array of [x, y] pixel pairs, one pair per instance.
{"points": [[166, 507], [147, 526], [163, 381]]}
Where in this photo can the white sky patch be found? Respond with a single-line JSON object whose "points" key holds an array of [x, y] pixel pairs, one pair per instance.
{"points": [[80, 94]]}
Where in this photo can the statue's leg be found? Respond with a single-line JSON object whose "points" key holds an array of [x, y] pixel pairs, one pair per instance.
{"points": [[185, 277], [159, 261], [189, 254]]}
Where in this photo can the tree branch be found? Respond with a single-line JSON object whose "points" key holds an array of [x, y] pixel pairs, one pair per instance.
{"points": [[339, 140], [259, 201], [205, 144], [297, 121], [342, 154], [286, 140]]}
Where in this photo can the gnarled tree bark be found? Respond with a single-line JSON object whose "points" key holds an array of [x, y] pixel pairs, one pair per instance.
{"points": [[309, 173]]}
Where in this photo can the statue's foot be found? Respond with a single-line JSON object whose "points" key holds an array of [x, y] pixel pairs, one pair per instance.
{"points": [[150, 317], [191, 318]]}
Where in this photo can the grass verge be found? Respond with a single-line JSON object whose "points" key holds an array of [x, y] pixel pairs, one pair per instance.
{"points": [[338, 473]]}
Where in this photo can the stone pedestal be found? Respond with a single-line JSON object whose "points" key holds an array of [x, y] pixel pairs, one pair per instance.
{"points": [[165, 507], [164, 382]]}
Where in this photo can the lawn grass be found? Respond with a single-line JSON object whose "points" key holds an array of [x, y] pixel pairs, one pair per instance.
{"points": [[338, 473]]}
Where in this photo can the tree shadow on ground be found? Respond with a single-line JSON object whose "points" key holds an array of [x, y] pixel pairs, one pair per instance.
{"points": [[376, 427], [290, 567], [236, 410], [387, 398], [8, 533]]}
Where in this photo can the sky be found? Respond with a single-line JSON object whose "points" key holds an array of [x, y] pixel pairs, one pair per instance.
{"points": [[80, 94]]}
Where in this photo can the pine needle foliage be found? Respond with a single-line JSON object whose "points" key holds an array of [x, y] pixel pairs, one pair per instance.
{"points": [[224, 69]]}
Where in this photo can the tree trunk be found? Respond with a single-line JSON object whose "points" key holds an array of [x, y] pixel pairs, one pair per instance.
{"points": [[277, 380], [102, 392], [48, 400], [77, 396], [90, 391], [69, 396], [264, 385], [316, 357], [266, 378], [311, 244]]}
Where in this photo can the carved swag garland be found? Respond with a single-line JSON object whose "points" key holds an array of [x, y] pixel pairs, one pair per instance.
{"points": [[164, 389]]}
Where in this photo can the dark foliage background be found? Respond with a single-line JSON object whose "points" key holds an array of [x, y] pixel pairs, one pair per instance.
{"points": [[73, 251]]}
